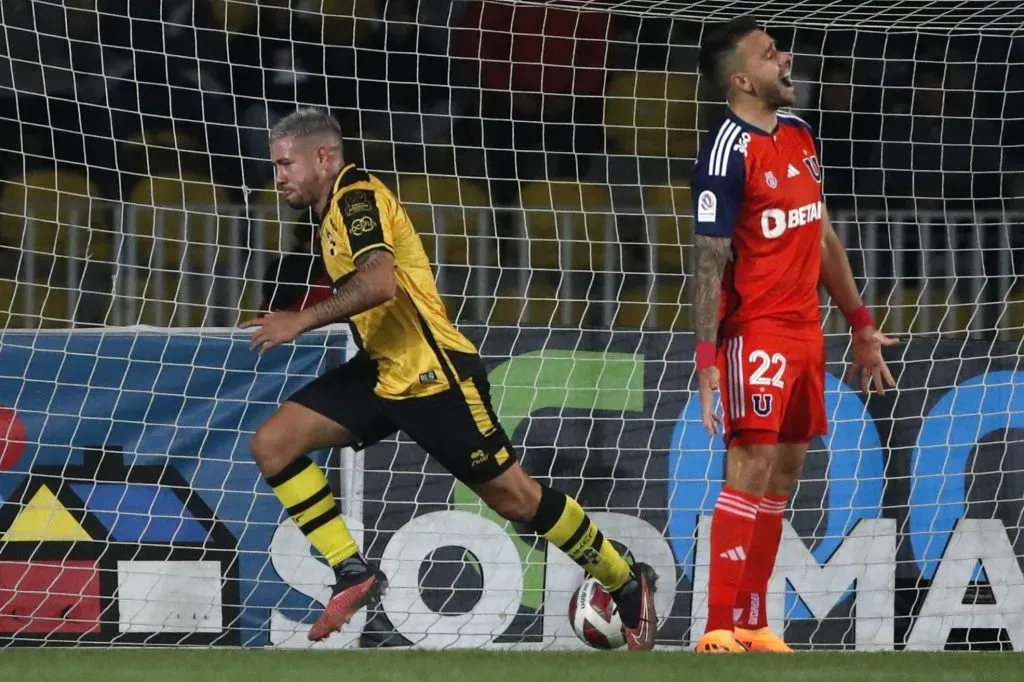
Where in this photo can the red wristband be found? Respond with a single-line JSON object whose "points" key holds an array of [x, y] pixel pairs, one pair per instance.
{"points": [[860, 317], [706, 352]]}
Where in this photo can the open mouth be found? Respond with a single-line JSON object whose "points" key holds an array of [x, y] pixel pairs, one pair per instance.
{"points": [[787, 80]]}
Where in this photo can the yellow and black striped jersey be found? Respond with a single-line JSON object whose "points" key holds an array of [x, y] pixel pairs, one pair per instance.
{"points": [[417, 349]]}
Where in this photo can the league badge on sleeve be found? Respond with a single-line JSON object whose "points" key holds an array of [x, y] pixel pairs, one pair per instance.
{"points": [[707, 207]]}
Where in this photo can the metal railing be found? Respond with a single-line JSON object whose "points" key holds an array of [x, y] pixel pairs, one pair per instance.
{"points": [[937, 271]]}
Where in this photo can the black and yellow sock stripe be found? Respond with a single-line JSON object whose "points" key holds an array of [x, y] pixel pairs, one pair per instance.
{"points": [[562, 521], [306, 495]]}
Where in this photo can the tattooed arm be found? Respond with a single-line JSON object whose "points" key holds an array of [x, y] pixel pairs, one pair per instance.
{"points": [[372, 285], [718, 188], [712, 253]]}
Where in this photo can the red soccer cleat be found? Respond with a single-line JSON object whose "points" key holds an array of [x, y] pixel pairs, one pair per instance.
{"points": [[351, 593], [637, 597]]}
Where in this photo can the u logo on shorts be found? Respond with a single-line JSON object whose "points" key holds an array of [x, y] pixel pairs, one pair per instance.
{"points": [[762, 404]]}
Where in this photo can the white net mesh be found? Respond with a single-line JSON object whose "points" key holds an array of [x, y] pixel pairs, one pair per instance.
{"points": [[543, 155], [947, 16]]}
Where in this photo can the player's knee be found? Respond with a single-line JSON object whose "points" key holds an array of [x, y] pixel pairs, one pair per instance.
{"points": [[786, 472], [754, 472], [789, 467], [272, 448], [750, 463]]}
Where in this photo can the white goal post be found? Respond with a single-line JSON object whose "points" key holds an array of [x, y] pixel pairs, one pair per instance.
{"points": [[542, 150]]}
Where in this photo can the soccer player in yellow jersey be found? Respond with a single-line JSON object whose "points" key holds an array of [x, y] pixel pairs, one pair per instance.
{"points": [[415, 372]]}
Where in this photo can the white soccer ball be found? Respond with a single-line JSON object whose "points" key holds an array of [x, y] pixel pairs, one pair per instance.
{"points": [[595, 617]]}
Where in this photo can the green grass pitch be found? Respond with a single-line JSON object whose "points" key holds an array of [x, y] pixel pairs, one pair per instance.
{"points": [[68, 665]]}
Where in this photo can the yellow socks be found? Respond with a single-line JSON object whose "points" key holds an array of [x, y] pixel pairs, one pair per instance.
{"points": [[562, 521], [303, 490]]}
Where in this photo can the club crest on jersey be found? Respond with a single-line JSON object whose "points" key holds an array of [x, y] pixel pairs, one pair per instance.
{"points": [[356, 201], [762, 404], [769, 179], [813, 166]]}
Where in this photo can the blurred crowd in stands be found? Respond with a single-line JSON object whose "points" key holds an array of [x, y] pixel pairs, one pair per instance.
{"points": [[428, 85], [498, 95]]}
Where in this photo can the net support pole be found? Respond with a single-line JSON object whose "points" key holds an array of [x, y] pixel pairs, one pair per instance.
{"points": [[73, 267], [117, 290], [482, 271], [30, 267], [351, 463]]}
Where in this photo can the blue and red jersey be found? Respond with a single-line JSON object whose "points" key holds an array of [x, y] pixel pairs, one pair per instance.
{"points": [[763, 190]]}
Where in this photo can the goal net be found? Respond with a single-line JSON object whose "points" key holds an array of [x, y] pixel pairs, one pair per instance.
{"points": [[543, 152]]}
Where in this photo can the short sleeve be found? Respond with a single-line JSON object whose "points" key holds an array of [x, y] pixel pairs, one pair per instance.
{"points": [[717, 184], [365, 227]]}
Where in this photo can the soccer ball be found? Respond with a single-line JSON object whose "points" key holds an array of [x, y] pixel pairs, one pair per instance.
{"points": [[595, 617]]}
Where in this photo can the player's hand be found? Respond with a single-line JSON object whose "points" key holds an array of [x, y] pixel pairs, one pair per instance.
{"points": [[868, 363], [709, 379], [274, 329]]}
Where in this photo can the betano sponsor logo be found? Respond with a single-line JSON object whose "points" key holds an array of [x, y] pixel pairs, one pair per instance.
{"points": [[775, 221]]}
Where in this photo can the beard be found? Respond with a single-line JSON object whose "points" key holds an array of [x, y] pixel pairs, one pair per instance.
{"points": [[775, 94], [784, 99], [297, 201]]}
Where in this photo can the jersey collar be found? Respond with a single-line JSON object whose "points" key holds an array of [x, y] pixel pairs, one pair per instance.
{"points": [[341, 176], [334, 191], [749, 128]]}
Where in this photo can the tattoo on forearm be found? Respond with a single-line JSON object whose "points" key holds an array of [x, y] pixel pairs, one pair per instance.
{"points": [[712, 253], [340, 306], [353, 297]]}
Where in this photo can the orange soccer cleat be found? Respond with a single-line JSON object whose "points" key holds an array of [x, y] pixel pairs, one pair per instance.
{"points": [[719, 642], [762, 640]]}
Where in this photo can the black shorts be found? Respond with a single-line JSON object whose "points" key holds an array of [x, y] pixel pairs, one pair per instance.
{"points": [[457, 427]]}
